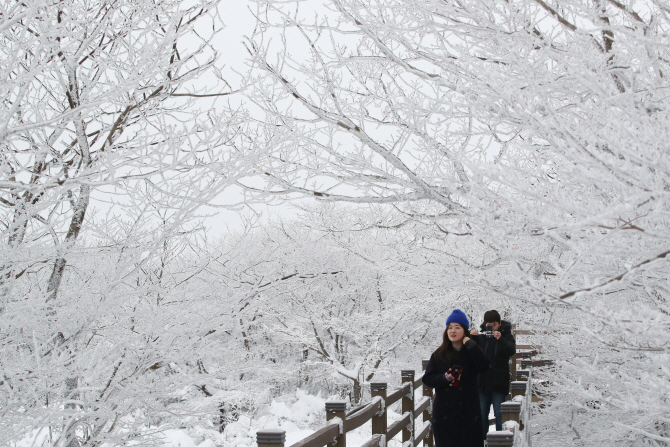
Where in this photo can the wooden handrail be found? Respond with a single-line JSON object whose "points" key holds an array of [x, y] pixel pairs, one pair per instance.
{"points": [[397, 394], [356, 409], [363, 415], [320, 438], [398, 425], [524, 332], [534, 332], [376, 441], [418, 382], [537, 363], [534, 349], [423, 432], [423, 404], [541, 363]]}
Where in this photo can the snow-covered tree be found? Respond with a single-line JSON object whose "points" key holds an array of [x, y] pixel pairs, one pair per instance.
{"points": [[351, 309], [113, 132], [538, 128], [351, 297]]}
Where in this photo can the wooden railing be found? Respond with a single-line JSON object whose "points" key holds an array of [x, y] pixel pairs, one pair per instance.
{"points": [[340, 421], [519, 409]]}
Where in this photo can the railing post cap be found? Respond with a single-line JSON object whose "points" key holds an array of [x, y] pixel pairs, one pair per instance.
{"points": [[270, 436], [519, 385], [510, 407], [407, 373], [500, 438], [424, 362], [336, 406], [378, 385]]}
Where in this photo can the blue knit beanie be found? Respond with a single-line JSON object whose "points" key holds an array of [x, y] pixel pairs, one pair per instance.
{"points": [[457, 316]]}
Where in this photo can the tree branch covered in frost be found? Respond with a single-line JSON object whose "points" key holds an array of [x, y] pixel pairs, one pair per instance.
{"points": [[105, 156], [509, 154], [534, 132]]}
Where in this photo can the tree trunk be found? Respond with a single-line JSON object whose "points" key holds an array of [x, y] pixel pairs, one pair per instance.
{"points": [[80, 207], [358, 393], [73, 232]]}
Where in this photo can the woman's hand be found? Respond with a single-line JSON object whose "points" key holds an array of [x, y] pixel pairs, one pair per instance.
{"points": [[466, 339], [474, 332]]}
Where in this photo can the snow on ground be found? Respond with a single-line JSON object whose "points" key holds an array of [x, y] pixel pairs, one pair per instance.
{"points": [[300, 415], [36, 437]]}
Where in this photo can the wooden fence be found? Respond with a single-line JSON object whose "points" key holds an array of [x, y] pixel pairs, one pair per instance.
{"points": [[340, 421]]}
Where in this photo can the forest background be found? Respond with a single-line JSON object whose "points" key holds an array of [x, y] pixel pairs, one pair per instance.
{"points": [[479, 154]]}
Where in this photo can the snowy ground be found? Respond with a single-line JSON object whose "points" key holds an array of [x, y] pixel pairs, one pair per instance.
{"points": [[299, 415]]}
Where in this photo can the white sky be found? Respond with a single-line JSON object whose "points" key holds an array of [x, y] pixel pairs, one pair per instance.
{"points": [[239, 20]]}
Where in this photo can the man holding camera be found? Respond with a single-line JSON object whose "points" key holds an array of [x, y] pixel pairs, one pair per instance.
{"points": [[498, 344]]}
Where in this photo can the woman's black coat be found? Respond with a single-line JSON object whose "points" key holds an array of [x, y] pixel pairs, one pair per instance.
{"points": [[456, 414], [499, 352]]}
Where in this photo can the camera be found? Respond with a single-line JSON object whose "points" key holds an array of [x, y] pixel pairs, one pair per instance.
{"points": [[489, 331]]}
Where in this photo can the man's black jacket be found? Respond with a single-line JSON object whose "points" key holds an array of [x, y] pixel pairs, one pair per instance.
{"points": [[499, 352]]}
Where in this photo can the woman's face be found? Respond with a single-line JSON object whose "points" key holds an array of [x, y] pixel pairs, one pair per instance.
{"points": [[455, 332]]}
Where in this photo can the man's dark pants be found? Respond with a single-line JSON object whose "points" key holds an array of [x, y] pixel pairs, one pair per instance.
{"points": [[486, 398]]}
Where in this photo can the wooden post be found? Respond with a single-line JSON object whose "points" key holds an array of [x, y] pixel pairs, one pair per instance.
{"points": [[519, 388], [510, 411], [338, 410], [407, 375], [271, 438], [512, 365], [428, 412], [500, 438], [379, 420]]}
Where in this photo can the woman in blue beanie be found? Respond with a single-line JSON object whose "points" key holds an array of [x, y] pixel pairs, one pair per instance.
{"points": [[452, 371]]}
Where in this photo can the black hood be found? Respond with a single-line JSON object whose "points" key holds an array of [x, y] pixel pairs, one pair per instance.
{"points": [[505, 327]]}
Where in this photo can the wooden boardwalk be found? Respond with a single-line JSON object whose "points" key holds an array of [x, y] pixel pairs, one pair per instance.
{"points": [[517, 412]]}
